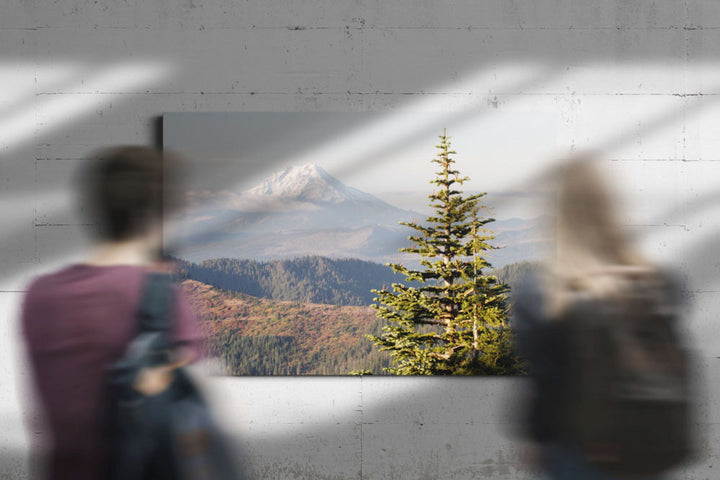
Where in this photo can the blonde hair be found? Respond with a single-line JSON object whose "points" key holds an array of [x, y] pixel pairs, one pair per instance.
{"points": [[593, 255]]}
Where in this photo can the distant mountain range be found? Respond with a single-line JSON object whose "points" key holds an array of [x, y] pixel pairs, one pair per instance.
{"points": [[303, 210]]}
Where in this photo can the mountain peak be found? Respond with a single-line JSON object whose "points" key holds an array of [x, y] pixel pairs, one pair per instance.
{"points": [[308, 168], [307, 183]]}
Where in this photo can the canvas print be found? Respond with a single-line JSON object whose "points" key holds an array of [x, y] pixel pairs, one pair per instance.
{"points": [[357, 243]]}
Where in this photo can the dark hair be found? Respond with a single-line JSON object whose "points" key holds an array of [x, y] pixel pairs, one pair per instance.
{"points": [[127, 189]]}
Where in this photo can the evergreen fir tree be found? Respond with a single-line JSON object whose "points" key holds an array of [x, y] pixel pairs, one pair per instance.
{"points": [[455, 321]]}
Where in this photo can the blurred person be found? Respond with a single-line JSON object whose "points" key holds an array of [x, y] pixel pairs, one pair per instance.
{"points": [[79, 320], [608, 393]]}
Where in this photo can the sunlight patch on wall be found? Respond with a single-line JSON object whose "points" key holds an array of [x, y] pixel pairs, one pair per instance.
{"points": [[54, 107]]}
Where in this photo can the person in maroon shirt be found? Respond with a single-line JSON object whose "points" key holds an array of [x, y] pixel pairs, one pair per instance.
{"points": [[79, 320]]}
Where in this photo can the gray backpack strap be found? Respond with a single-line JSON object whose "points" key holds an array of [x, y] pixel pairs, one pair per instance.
{"points": [[152, 344], [155, 312]]}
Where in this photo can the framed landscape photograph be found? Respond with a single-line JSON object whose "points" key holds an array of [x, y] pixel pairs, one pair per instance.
{"points": [[356, 243]]}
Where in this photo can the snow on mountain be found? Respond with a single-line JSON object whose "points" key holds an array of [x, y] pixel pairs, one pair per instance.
{"points": [[299, 195], [308, 183]]}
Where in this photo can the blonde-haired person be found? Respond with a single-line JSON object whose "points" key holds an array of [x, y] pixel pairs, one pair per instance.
{"points": [[589, 321]]}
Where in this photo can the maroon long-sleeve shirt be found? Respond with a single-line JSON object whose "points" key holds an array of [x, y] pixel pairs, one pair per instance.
{"points": [[76, 322]]}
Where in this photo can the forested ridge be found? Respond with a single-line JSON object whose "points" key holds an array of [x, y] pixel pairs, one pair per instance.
{"points": [[312, 279], [257, 336], [251, 335], [510, 274]]}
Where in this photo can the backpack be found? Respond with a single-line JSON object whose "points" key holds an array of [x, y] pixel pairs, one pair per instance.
{"points": [[628, 410], [169, 436]]}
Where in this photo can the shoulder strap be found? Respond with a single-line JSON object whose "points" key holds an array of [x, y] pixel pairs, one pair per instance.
{"points": [[156, 303]]}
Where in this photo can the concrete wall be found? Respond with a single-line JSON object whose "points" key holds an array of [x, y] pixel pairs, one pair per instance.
{"points": [[639, 80]]}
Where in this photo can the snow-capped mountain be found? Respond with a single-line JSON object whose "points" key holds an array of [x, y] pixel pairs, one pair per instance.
{"points": [[308, 183], [300, 197], [303, 210]]}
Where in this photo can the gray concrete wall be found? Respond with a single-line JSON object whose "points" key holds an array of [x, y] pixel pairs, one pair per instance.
{"points": [[639, 80]]}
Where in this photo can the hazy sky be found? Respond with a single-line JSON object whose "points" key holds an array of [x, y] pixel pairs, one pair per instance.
{"points": [[385, 154]]}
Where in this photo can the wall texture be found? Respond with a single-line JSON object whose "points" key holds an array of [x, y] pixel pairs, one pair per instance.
{"points": [[638, 80]]}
